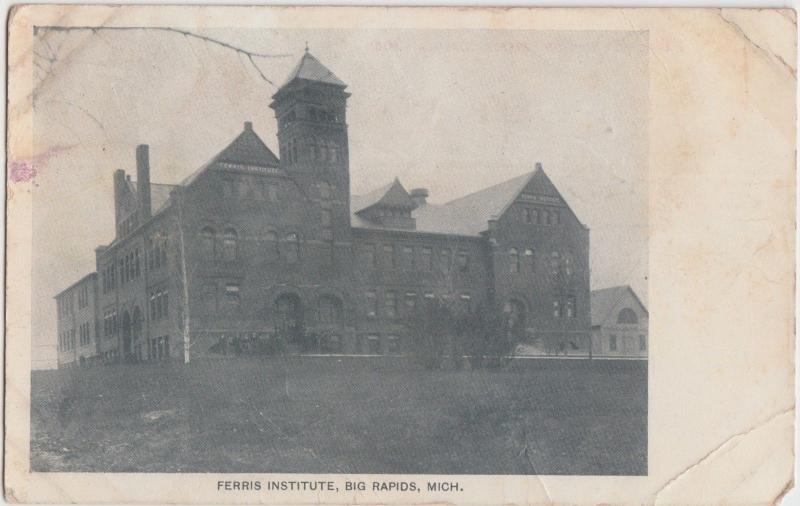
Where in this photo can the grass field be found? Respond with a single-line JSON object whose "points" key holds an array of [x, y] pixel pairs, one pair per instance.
{"points": [[345, 415]]}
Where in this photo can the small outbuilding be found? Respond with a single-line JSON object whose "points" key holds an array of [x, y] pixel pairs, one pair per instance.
{"points": [[619, 323]]}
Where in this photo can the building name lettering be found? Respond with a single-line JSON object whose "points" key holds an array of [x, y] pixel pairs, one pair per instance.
{"points": [[249, 168], [541, 199]]}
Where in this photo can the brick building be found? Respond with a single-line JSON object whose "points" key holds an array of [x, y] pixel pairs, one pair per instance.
{"points": [[252, 245], [619, 323]]}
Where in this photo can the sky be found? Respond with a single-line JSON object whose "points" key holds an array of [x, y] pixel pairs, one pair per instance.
{"points": [[453, 111]]}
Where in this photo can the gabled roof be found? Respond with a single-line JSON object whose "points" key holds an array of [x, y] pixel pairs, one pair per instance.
{"points": [[246, 149], [310, 69], [470, 215], [605, 300], [467, 215], [393, 195]]}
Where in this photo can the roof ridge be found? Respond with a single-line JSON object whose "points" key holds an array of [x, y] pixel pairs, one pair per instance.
{"points": [[486, 189]]}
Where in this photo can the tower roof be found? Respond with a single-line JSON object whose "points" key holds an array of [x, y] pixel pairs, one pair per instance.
{"points": [[310, 69]]}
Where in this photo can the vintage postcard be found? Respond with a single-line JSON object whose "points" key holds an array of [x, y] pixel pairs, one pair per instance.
{"points": [[362, 255]]}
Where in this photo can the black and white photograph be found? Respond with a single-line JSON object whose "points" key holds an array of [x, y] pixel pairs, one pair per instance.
{"points": [[400, 255], [345, 256]]}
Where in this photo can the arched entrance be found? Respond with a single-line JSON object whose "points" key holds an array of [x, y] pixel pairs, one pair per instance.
{"points": [[289, 317]]}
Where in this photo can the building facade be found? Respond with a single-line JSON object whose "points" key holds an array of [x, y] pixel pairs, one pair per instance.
{"points": [[253, 245], [619, 323], [76, 325]]}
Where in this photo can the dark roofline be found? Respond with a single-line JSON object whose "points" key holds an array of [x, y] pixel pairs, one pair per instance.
{"points": [[417, 233], [73, 285]]}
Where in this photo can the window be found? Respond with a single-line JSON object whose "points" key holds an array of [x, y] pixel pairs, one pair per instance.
{"points": [[429, 295], [534, 216], [555, 263], [388, 256], [513, 260], [272, 250], [627, 315], [530, 260], [207, 243], [411, 302], [554, 217], [229, 239], [210, 298], [557, 308], [426, 259], [232, 293], [369, 256], [463, 261], [544, 217], [390, 304], [329, 310], [292, 248], [465, 302], [642, 342], [372, 304], [227, 188], [408, 258], [447, 259], [568, 263], [612, 342], [570, 307], [374, 345], [526, 215], [393, 344]]}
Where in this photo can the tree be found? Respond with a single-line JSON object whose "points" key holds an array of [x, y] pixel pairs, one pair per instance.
{"points": [[430, 331], [487, 337]]}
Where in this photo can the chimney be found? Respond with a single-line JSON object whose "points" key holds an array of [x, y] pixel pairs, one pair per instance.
{"points": [[119, 191], [248, 125], [419, 196], [143, 180]]}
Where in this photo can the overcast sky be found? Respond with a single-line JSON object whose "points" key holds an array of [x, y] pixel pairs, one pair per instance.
{"points": [[452, 111]]}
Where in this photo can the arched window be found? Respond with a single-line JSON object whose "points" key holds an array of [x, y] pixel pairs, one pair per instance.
{"points": [[555, 263], [207, 243], [229, 245], [627, 315], [513, 260], [530, 259], [292, 248], [272, 250], [569, 263]]}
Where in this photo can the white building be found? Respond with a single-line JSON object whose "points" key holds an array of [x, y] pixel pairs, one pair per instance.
{"points": [[619, 323]]}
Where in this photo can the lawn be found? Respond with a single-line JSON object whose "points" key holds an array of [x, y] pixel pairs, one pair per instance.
{"points": [[343, 415]]}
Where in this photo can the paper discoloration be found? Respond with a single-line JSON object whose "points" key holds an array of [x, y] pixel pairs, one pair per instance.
{"points": [[718, 152]]}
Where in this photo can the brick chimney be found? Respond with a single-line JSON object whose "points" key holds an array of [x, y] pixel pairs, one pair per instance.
{"points": [[143, 181], [119, 191], [419, 196]]}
